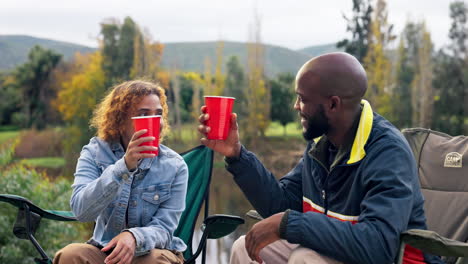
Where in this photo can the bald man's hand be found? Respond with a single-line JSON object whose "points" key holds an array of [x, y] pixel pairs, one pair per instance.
{"points": [[231, 146], [262, 234]]}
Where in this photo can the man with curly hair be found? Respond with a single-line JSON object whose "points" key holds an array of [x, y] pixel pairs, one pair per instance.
{"points": [[136, 199]]}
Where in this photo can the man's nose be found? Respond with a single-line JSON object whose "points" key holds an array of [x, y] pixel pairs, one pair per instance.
{"points": [[296, 105]]}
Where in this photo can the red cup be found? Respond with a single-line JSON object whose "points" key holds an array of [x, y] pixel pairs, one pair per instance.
{"points": [[152, 124], [219, 108]]}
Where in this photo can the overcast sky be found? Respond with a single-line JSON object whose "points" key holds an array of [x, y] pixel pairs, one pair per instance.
{"points": [[293, 24]]}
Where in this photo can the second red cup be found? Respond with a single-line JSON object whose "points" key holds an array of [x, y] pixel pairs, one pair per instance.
{"points": [[219, 108], [152, 124]]}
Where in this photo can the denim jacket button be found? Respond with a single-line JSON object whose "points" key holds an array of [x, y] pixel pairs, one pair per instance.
{"points": [[125, 176], [156, 197]]}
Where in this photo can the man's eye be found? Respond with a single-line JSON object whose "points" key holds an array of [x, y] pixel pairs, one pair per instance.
{"points": [[142, 114]]}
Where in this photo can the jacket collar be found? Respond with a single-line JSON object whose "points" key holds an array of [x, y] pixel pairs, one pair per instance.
{"points": [[362, 133], [354, 143]]}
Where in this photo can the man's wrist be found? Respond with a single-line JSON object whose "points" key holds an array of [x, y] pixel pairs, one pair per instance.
{"points": [[235, 157]]}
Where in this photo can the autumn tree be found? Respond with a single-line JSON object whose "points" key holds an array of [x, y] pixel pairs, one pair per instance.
{"points": [[219, 78], [422, 90], [235, 85], [208, 86], [376, 62], [77, 99], [147, 57], [360, 29], [257, 92]]}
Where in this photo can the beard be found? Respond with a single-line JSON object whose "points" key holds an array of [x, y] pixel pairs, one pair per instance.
{"points": [[316, 125]]}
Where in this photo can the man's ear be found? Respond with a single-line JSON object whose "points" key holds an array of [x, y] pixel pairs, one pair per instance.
{"points": [[334, 103]]}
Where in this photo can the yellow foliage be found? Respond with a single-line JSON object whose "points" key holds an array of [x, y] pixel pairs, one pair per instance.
{"points": [[80, 94], [163, 78], [377, 64]]}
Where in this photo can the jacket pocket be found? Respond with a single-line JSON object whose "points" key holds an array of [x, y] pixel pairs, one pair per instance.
{"points": [[153, 196]]}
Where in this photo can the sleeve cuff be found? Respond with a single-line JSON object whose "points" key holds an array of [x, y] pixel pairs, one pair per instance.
{"points": [[284, 224], [139, 247], [293, 231], [232, 160], [120, 170]]}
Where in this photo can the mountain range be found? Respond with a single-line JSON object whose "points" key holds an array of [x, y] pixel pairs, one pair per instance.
{"points": [[185, 56]]}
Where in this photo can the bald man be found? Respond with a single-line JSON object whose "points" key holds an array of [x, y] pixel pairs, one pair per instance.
{"points": [[350, 196]]}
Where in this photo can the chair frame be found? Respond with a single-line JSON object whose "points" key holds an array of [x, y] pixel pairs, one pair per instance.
{"points": [[29, 216]]}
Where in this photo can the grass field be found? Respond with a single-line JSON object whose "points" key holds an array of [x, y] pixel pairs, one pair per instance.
{"points": [[45, 162], [292, 130], [4, 136]]}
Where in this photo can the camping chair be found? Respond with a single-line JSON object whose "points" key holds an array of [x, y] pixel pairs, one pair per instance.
{"points": [[443, 174], [200, 163]]}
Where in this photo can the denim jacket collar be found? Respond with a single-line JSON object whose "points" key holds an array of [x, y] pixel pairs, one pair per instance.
{"points": [[109, 153]]}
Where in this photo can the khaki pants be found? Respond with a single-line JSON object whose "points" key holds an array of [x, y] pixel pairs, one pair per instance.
{"points": [[279, 252], [80, 253]]}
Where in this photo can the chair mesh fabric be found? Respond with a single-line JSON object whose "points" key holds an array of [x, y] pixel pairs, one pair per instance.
{"points": [[199, 161]]}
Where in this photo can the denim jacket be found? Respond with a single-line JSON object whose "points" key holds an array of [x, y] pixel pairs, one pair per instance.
{"points": [[147, 202]]}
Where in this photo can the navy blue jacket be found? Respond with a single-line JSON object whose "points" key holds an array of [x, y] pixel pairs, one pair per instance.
{"points": [[352, 210]]}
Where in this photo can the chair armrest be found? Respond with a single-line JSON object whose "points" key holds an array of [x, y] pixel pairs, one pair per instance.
{"points": [[19, 202], [220, 225], [254, 215], [431, 242]]}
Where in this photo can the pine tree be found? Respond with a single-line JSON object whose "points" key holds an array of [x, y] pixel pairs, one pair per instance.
{"points": [[359, 26]]}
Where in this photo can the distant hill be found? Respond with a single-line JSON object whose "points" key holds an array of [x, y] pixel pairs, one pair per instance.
{"points": [[190, 56], [186, 56], [320, 49], [14, 49]]}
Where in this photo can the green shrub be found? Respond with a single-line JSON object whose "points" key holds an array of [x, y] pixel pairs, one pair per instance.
{"points": [[7, 151], [45, 162], [52, 235]]}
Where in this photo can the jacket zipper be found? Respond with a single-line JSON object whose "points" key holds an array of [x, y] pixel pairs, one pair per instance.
{"points": [[324, 187]]}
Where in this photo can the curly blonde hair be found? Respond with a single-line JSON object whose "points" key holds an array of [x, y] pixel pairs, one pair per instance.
{"points": [[111, 114]]}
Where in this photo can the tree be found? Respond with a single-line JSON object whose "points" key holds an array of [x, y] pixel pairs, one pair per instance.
{"points": [[32, 80], [208, 86], [359, 26], [12, 105], [235, 85], [128, 52], [376, 61], [110, 31], [404, 75], [197, 81], [257, 92], [77, 99], [451, 76], [282, 98], [422, 83], [128, 34], [147, 57], [459, 35], [219, 77]]}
